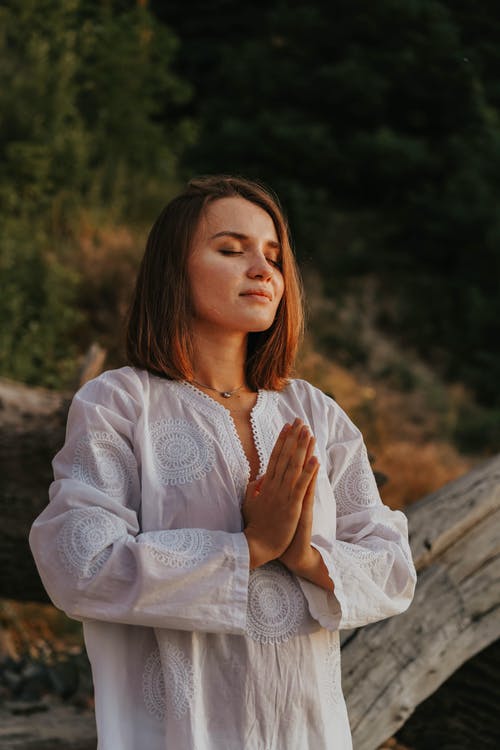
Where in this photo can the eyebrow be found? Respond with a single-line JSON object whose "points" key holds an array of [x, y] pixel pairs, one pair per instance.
{"points": [[240, 236]]}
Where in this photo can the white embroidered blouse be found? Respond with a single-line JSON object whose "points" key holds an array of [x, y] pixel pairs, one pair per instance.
{"points": [[142, 540]]}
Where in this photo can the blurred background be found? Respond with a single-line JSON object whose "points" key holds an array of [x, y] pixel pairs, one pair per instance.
{"points": [[378, 126]]}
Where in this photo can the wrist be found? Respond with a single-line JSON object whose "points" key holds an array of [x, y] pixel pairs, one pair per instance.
{"points": [[307, 564], [258, 553]]}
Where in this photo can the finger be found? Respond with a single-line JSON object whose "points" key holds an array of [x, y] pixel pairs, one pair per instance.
{"points": [[257, 485], [253, 488], [287, 450], [302, 483], [306, 516], [303, 532], [277, 448], [310, 449], [297, 457]]}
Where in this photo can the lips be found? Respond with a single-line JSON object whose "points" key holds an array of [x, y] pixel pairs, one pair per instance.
{"points": [[257, 292]]}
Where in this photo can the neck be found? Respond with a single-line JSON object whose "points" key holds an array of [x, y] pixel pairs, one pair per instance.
{"points": [[219, 359]]}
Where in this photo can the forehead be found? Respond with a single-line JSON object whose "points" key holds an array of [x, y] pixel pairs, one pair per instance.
{"points": [[236, 215]]}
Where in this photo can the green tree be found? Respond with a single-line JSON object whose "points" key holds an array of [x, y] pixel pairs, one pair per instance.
{"points": [[43, 142], [126, 94], [378, 124], [85, 91]]}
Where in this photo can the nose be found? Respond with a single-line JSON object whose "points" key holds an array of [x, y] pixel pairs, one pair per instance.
{"points": [[260, 268]]}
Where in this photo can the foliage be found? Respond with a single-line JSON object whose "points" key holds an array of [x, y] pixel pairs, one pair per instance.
{"points": [[43, 144], [85, 92], [37, 309], [477, 427], [125, 91], [378, 124]]}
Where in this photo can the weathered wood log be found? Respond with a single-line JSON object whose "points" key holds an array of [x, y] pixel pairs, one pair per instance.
{"points": [[392, 666], [53, 726], [32, 426], [93, 364]]}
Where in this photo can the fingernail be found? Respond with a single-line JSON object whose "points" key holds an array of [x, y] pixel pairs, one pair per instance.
{"points": [[312, 462], [286, 427]]}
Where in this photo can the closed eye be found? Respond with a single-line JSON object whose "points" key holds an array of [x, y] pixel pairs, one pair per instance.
{"points": [[275, 263], [229, 251]]}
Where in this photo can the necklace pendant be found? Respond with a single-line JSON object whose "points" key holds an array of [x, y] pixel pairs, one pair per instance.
{"points": [[226, 394]]}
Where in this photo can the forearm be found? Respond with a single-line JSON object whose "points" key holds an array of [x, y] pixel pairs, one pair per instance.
{"points": [[314, 569], [186, 579]]}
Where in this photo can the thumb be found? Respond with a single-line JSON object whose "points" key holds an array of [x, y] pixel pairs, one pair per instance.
{"points": [[256, 485], [253, 488]]}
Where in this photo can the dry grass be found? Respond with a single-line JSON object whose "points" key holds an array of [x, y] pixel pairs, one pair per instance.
{"points": [[38, 630], [403, 431], [106, 258], [415, 470], [393, 744]]}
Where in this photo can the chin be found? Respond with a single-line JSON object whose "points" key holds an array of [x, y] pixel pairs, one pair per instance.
{"points": [[262, 328]]}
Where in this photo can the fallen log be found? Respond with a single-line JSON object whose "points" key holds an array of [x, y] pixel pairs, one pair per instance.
{"points": [[390, 667], [32, 426], [53, 725]]}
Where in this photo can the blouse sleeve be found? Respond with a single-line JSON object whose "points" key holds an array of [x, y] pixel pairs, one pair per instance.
{"points": [[93, 558], [369, 558]]}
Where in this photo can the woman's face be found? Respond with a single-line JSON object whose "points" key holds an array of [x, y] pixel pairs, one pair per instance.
{"points": [[234, 267]]}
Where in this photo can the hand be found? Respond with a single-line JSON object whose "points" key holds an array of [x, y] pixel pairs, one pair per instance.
{"points": [[273, 505], [299, 556]]}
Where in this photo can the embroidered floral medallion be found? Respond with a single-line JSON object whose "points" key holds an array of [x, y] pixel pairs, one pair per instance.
{"points": [[180, 548], [104, 461], [356, 488], [153, 686], [276, 604], [183, 451], [170, 689], [333, 687], [84, 541]]}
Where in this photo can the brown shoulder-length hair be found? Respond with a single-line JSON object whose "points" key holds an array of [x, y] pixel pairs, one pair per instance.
{"points": [[158, 333]]}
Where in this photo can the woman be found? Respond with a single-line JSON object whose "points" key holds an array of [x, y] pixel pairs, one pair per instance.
{"points": [[212, 522]]}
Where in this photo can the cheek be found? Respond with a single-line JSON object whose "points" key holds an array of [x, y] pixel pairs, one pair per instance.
{"points": [[209, 292], [204, 293], [201, 279], [280, 289]]}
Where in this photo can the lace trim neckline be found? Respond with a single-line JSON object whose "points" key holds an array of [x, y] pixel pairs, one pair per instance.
{"points": [[218, 406], [262, 421], [256, 409]]}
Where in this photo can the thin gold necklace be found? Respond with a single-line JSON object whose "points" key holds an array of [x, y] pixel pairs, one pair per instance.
{"points": [[224, 394]]}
